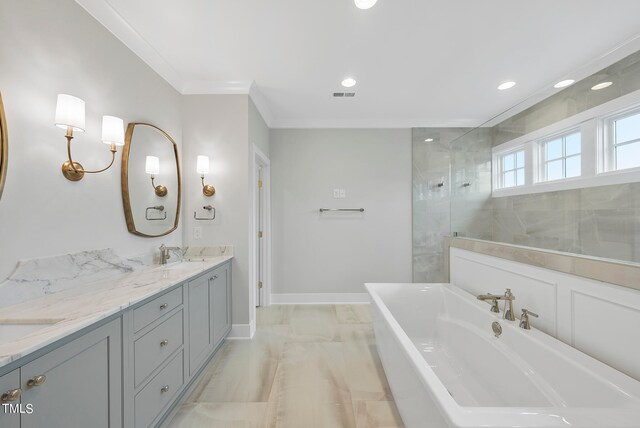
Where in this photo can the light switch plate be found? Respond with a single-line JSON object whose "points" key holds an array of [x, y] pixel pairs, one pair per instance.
{"points": [[197, 232], [336, 193], [343, 193]]}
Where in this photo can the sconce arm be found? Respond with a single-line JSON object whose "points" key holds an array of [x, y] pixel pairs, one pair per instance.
{"points": [[76, 167]]}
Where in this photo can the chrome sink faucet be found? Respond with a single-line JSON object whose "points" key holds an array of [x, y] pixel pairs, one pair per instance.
{"points": [[508, 297], [164, 253]]}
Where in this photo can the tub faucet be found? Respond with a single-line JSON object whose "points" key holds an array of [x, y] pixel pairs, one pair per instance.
{"points": [[524, 319], [164, 253], [508, 297]]}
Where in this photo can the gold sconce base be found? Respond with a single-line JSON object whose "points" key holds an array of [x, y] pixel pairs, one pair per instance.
{"points": [[161, 191], [72, 173], [208, 190]]}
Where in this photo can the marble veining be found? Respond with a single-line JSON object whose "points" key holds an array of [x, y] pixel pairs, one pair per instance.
{"points": [[307, 366], [81, 306], [47, 275]]}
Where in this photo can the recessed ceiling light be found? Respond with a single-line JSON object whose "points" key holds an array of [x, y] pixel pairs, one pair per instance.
{"points": [[428, 140], [564, 83], [365, 4], [349, 82], [602, 85], [506, 85]]}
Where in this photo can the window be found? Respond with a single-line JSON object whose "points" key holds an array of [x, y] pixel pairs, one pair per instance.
{"points": [[512, 169], [626, 141], [562, 156]]}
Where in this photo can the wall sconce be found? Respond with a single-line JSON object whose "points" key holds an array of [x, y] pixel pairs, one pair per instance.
{"points": [[70, 116], [202, 167], [152, 167]]}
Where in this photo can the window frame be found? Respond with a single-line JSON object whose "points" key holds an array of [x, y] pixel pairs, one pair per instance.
{"points": [[609, 146], [502, 171], [595, 126], [543, 173]]}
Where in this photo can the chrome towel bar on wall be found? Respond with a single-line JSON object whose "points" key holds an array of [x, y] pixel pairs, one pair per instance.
{"points": [[342, 209]]}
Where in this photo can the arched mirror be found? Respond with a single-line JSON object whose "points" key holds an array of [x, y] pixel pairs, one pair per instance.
{"points": [[4, 146], [150, 181]]}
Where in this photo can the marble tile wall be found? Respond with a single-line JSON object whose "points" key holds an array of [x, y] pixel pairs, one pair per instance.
{"points": [[598, 221], [431, 204]]}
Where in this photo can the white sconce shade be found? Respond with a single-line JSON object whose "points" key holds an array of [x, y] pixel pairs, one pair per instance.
{"points": [[112, 130], [202, 165], [152, 165], [70, 112]]}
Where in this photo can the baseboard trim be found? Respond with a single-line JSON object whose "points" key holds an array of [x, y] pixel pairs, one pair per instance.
{"points": [[319, 298], [242, 331]]}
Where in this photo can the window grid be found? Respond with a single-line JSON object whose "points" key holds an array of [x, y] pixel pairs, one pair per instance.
{"points": [[626, 141], [562, 156], [512, 169]]}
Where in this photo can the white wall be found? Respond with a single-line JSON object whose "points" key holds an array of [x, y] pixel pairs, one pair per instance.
{"points": [[217, 126], [338, 252], [50, 47]]}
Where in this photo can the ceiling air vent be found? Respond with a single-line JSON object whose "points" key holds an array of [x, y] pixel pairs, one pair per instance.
{"points": [[344, 94]]}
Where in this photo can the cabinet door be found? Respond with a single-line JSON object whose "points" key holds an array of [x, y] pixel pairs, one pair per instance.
{"points": [[199, 322], [82, 382], [10, 400], [221, 303]]}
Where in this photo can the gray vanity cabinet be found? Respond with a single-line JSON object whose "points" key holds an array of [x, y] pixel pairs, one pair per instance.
{"points": [[78, 384], [209, 314], [10, 400], [221, 302], [200, 322]]}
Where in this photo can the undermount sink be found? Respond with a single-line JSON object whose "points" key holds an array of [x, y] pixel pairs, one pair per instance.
{"points": [[14, 329]]}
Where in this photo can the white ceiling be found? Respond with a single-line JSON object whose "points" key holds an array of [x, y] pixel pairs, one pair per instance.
{"points": [[417, 62]]}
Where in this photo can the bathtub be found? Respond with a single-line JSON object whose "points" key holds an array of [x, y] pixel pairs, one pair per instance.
{"points": [[446, 368]]}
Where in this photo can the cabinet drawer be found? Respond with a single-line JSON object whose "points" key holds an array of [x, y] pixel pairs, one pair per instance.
{"points": [[155, 347], [10, 395], [149, 312], [159, 393]]}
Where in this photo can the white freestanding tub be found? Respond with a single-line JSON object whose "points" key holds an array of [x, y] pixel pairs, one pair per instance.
{"points": [[447, 369]]}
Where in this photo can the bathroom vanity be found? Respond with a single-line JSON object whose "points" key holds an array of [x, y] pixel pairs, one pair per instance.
{"points": [[120, 352]]}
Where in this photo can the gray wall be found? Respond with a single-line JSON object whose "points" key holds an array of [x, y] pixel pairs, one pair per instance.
{"points": [[52, 47], [338, 252], [218, 126]]}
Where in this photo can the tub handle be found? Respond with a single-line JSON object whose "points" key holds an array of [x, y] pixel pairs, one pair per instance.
{"points": [[524, 319]]}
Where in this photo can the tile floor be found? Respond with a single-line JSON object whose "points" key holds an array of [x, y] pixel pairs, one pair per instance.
{"points": [[308, 366]]}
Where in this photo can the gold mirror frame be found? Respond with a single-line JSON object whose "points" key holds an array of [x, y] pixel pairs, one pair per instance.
{"points": [[4, 147], [125, 180]]}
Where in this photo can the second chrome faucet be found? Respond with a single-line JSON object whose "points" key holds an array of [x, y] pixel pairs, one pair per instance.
{"points": [[508, 297]]}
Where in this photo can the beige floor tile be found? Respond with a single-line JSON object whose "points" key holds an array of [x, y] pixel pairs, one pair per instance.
{"points": [[246, 370], [308, 366], [274, 314], [357, 333], [220, 415], [353, 314], [301, 413], [315, 372], [314, 323], [377, 414], [365, 374]]}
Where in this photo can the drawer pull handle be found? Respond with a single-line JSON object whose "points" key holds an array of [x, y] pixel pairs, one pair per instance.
{"points": [[164, 389], [164, 306], [37, 380], [164, 342], [11, 395]]}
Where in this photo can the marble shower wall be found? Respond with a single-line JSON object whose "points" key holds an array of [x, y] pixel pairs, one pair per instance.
{"points": [[454, 157]]}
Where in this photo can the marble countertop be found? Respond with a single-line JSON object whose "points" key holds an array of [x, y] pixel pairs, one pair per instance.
{"points": [[68, 311]]}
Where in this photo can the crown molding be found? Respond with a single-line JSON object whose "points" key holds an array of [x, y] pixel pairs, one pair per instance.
{"points": [[109, 18]]}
